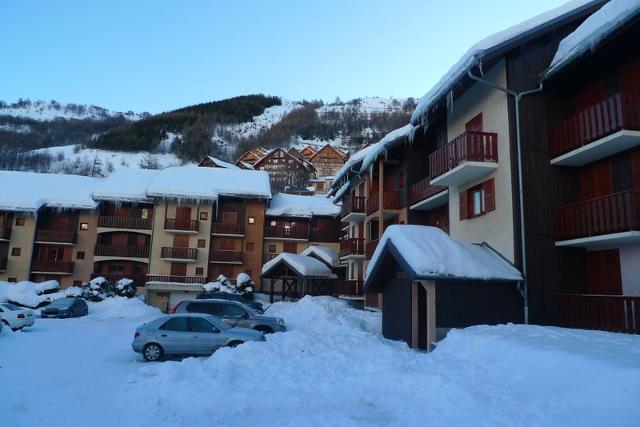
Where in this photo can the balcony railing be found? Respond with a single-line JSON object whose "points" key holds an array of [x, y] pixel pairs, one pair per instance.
{"points": [[390, 200], [352, 246], [373, 203], [352, 205], [615, 313], [122, 251], [371, 248], [352, 288], [181, 225], [613, 213], [226, 256], [423, 190], [124, 222], [471, 146], [286, 232], [620, 111], [65, 267], [269, 257], [176, 279], [221, 228], [179, 253], [56, 236]]}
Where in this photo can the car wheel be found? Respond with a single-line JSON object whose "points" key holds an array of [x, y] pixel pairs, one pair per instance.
{"points": [[233, 344], [264, 329], [152, 352]]}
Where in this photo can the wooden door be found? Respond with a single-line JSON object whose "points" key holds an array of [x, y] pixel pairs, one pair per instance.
{"points": [[603, 272], [229, 217], [178, 269], [597, 180], [474, 124], [183, 214], [290, 247], [180, 241]]}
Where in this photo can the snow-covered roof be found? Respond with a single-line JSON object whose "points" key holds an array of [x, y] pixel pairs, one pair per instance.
{"points": [[303, 265], [327, 254], [344, 188], [381, 146], [30, 191], [125, 185], [222, 163], [595, 29], [352, 162], [195, 183], [430, 253], [301, 206], [480, 50]]}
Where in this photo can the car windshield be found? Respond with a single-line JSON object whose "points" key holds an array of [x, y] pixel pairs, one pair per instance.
{"points": [[61, 303], [11, 307], [221, 325]]}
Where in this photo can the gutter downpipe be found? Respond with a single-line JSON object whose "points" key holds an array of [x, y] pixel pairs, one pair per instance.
{"points": [[517, 96]]}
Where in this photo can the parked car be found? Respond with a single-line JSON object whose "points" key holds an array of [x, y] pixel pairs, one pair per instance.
{"points": [[231, 297], [188, 335], [16, 317], [66, 307], [233, 314]]}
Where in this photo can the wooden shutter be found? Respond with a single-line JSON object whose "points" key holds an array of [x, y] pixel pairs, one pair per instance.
{"points": [[474, 124], [464, 211], [180, 241], [290, 247], [603, 272], [489, 195], [229, 217], [178, 269]]}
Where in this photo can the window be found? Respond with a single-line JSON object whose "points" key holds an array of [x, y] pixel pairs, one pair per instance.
{"points": [[12, 280], [199, 324], [214, 309], [319, 224], [250, 247], [291, 247], [199, 271], [233, 310], [202, 243], [80, 255], [252, 220], [84, 226], [144, 213], [15, 251], [179, 324], [273, 223], [477, 200], [204, 216], [272, 249], [20, 221]]}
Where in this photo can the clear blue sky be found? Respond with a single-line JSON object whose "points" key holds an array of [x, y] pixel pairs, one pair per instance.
{"points": [[160, 55]]}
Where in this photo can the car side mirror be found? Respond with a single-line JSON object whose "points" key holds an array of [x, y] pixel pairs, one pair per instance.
{"points": [[215, 330], [245, 315]]}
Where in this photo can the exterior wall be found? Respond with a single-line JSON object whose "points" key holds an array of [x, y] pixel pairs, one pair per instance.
{"points": [[327, 161], [495, 227], [22, 237], [86, 243], [630, 269]]}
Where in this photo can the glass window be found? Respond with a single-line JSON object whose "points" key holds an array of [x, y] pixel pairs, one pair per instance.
{"points": [[19, 221], [144, 213], [273, 223], [233, 310], [199, 324], [478, 202], [252, 220], [176, 324], [84, 226], [213, 309]]}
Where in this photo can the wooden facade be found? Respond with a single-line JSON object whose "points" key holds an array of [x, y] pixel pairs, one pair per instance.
{"points": [[285, 170], [328, 160]]}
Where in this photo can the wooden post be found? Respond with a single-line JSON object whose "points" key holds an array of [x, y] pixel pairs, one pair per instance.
{"points": [[415, 316], [430, 288]]}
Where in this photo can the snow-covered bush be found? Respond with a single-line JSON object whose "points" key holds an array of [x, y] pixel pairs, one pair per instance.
{"points": [[244, 286], [100, 288], [125, 288]]}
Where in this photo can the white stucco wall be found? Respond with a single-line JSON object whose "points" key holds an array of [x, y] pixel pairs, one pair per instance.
{"points": [[630, 269]]}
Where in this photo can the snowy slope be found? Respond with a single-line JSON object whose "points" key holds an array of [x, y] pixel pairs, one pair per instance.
{"points": [[268, 118], [50, 110], [374, 104]]}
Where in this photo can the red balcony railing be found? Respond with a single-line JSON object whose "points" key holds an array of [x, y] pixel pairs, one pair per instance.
{"points": [[391, 200], [56, 236], [181, 225], [471, 146], [615, 313], [620, 111], [297, 232], [179, 253], [613, 213], [124, 222], [269, 257], [221, 228], [423, 190], [122, 251], [351, 288], [176, 279], [226, 256], [371, 248], [352, 246], [373, 203], [65, 267], [352, 205]]}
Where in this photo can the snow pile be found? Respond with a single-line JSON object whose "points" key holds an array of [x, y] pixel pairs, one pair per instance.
{"points": [[480, 50], [432, 253], [593, 31], [221, 284], [29, 191], [303, 265], [34, 295], [47, 111], [301, 206], [325, 253], [121, 308], [125, 185], [381, 146]]}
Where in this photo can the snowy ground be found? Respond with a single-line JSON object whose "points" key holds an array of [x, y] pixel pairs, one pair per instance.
{"points": [[331, 368]]}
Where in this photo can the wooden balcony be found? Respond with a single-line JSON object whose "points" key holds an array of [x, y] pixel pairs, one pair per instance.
{"points": [[615, 313], [469, 156], [421, 195], [607, 215], [373, 203], [279, 232], [269, 257], [227, 229], [122, 251], [124, 222], [56, 236], [390, 200], [53, 267], [606, 128], [227, 256], [371, 248], [180, 225], [187, 254], [352, 247], [352, 207], [176, 279], [349, 288]]}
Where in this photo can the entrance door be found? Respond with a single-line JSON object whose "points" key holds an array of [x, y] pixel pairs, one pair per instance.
{"points": [[603, 272]]}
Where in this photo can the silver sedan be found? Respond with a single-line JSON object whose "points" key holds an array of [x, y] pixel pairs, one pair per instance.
{"points": [[188, 335]]}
